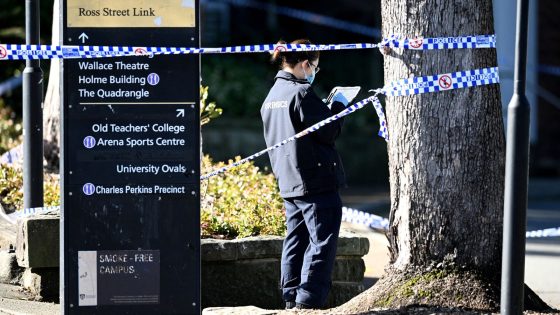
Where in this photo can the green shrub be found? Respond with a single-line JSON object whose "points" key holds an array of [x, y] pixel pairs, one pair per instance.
{"points": [[11, 188], [244, 203], [208, 110], [10, 130]]}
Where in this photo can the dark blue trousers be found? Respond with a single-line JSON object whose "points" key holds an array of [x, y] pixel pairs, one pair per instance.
{"points": [[309, 251]]}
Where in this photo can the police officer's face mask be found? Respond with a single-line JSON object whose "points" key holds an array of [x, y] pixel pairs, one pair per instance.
{"points": [[310, 77]]}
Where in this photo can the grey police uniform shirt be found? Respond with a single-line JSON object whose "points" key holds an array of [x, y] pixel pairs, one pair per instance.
{"points": [[309, 165]]}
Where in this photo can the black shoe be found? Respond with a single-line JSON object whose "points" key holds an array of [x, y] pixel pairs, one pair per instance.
{"points": [[290, 305], [300, 306]]}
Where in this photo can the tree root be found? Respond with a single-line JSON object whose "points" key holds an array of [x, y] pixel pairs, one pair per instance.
{"points": [[443, 288]]}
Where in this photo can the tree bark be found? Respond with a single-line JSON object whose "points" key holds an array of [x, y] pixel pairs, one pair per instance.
{"points": [[51, 105], [446, 149], [446, 162]]}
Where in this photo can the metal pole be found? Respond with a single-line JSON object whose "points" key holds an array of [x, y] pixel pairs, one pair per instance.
{"points": [[517, 165], [32, 114]]}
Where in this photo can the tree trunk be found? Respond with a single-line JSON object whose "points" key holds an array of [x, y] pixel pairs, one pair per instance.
{"points": [[51, 105], [447, 152], [446, 161]]}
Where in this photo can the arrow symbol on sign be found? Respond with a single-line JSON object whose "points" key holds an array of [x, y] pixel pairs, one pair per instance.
{"points": [[180, 113], [83, 37]]}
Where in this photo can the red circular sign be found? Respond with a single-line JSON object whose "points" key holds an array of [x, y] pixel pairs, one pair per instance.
{"points": [[140, 52], [415, 42], [3, 52], [280, 48], [445, 82]]}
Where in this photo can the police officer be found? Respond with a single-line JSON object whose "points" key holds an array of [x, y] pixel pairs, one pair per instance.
{"points": [[309, 172]]}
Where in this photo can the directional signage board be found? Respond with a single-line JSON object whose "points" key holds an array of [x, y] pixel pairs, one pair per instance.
{"points": [[131, 161]]}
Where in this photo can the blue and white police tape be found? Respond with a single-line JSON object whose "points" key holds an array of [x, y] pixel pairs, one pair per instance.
{"points": [[379, 223], [315, 127], [420, 43], [382, 121], [12, 217], [25, 52], [551, 232], [12, 156], [442, 82], [363, 218], [415, 85]]}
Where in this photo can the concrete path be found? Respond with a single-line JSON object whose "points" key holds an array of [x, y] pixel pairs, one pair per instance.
{"points": [[14, 292], [14, 300], [542, 271], [542, 255], [19, 307]]}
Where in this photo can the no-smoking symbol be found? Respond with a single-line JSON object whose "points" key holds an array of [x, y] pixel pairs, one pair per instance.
{"points": [[140, 52], [3, 52], [416, 42], [445, 82], [280, 48]]}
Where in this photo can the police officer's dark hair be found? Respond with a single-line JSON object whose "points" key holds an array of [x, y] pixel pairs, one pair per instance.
{"points": [[291, 58]]}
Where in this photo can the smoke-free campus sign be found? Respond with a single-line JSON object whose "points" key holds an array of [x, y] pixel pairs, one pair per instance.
{"points": [[105, 277]]}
